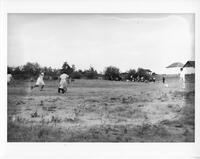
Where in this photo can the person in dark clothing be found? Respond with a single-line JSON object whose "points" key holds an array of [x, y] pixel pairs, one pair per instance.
{"points": [[163, 79]]}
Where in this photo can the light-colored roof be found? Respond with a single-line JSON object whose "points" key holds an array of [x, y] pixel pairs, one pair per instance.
{"points": [[175, 64]]}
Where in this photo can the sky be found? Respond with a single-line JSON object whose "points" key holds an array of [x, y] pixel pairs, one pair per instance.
{"points": [[127, 41]]}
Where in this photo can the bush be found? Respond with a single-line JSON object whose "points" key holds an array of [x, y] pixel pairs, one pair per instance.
{"points": [[76, 75], [131, 74], [91, 73], [112, 73], [144, 73]]}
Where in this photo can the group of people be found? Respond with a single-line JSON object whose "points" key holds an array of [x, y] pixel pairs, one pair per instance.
{"points": [[64, 81], [142, 79], [62, 86]]}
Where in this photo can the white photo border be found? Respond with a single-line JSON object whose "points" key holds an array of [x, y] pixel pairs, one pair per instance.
{"points": [[96, 150]]}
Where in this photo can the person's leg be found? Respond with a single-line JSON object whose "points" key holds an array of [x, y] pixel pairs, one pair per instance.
{"points": [[34, 86], [42, 87], [64, 87], [59, 90]]}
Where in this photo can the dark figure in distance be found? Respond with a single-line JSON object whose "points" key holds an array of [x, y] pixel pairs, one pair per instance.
{"points": [[163, 79]]}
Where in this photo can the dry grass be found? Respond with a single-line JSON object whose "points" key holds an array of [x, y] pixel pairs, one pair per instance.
{"points": [[101, 111]]}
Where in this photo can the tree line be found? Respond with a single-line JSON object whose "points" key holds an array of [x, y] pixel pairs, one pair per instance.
{"points": [[32, 70]]}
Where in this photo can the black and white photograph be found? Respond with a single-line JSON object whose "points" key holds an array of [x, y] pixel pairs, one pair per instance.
{"points": [[101, 77]]}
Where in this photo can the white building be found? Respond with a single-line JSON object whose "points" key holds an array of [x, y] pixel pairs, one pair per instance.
{"points": [[189, 67], [188, 75]]}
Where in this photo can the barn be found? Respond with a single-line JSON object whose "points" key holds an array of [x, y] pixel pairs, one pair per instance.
{"points": [[174, 68]]}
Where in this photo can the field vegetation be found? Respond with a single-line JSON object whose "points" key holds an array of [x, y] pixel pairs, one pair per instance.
{"points": [[101, 111]]}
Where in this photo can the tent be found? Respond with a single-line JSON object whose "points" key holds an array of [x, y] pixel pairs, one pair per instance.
{"points": [[174, 68]]}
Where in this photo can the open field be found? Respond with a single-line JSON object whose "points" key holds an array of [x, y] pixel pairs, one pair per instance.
{"points": [[101, 111]]}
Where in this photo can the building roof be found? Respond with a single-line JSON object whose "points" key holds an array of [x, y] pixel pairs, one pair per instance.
{"points": [[148, 70], [175, 64], [189, 64]]}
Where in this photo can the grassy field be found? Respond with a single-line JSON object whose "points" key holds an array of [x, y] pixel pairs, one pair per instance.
{"points": [[101, 111]]}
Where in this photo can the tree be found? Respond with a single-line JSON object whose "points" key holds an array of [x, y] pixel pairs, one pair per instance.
{"points": [[18, 73], [144, 73], [112, 73], [76, 75], [10, 70], [131, 74], [91, 73], [31, 70], [73, 68], [67, 69]]}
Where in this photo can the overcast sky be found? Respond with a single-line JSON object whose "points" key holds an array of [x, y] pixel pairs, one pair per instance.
{"points": [[126, 41]]}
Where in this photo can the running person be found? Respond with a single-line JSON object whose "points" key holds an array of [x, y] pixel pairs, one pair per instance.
{"points": [[39, 82], [63, 81]]}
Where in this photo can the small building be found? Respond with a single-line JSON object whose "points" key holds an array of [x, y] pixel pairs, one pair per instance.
{"points": [[188, 76], [189, 67], [189, 71]]}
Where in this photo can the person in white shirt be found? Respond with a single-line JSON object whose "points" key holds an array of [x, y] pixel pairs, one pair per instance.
{"points": [[63, 82], [182, 77], [9, 78], [39, 82]]}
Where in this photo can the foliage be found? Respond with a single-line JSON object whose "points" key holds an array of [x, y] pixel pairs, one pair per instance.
{"points": [[131, 74], [91, 73], [67, 69], [32, 70], [77, 74], [112, 73], [144, 73]]}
